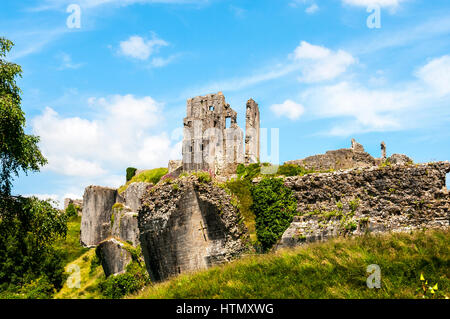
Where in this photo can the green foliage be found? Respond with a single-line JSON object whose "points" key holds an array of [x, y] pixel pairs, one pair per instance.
{"points": [[274, 206], [69, 246], [332, 269], [293, 170], [203, 177], [27, 235], [248, 172], [118, 206], [18, 151], [130, 173], [135, 277], [148, 176], [241, 189], [71, 211]]}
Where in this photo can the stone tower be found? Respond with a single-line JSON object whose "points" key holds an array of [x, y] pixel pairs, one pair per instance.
{"points": [[252, 132], [212, 139]]}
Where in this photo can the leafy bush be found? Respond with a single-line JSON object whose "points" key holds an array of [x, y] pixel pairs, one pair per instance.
{"points": [[135, 278], [248, 172], [71, 211], [203, 177], [29, 227], [274, 206], [131, 171]]}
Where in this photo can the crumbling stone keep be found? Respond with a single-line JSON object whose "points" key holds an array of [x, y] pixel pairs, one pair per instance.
{"points": [[212, 139]]}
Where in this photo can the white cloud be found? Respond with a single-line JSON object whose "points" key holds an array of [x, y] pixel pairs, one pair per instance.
{"points": [[367, 3], [320, 63], [120, 134], [436, 74], [312, 9], [288, 108], [140, 48], [407, 105]]}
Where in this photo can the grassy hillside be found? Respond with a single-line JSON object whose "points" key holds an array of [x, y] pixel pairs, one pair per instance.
{"points": [[148, 176], [75, 254], [334, 269]]}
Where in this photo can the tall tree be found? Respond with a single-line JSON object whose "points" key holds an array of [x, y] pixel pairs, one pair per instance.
{"points": [[28, 226], [18, 151]]}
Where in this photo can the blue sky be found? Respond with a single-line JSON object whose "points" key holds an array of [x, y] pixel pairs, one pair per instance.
{"points": [[112, 93]]}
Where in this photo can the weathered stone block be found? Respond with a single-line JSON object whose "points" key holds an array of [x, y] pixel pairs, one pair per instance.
{"points": [[114, 256], [96, 217], [187, 226]]}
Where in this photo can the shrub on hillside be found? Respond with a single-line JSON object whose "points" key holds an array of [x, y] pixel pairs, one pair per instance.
{"points": [[131, 171], [71, 211], [274, 206]]}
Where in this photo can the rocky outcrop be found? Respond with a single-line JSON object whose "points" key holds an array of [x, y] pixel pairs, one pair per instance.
{"points": [[175, 167], [114, 256], [124, 225], [399, 159], [186, 225], [133, 194], [96, 217], [110, 219], [344, 158], [378, 199]]}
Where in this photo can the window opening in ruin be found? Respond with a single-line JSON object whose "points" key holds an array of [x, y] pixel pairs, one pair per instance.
{"points": [[202, 147], [190, 148], [227, 122], [447, 180], [215, 123], [211, 108]]}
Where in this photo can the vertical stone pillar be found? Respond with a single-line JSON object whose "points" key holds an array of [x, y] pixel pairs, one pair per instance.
{"points": [[383, 150], [252, 132]]}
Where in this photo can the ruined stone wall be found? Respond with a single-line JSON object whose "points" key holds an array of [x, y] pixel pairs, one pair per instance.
{"points": [[187, 226], [377, 199], [344, 158]]}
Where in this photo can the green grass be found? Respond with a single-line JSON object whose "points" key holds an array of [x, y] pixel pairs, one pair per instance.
{"points": [[334, 269], [241, 189], [70, 246], [148, 176], [90, 279]]}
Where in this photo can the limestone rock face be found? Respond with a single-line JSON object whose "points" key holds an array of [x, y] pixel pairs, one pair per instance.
{"points": [[96, 216], [379, 199], [188, 225], [133, 194], [113, 256], [124, 225], [399, 159]]}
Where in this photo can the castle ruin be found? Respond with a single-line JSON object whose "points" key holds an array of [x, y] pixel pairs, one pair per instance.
{"points": [[212, 139]]}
